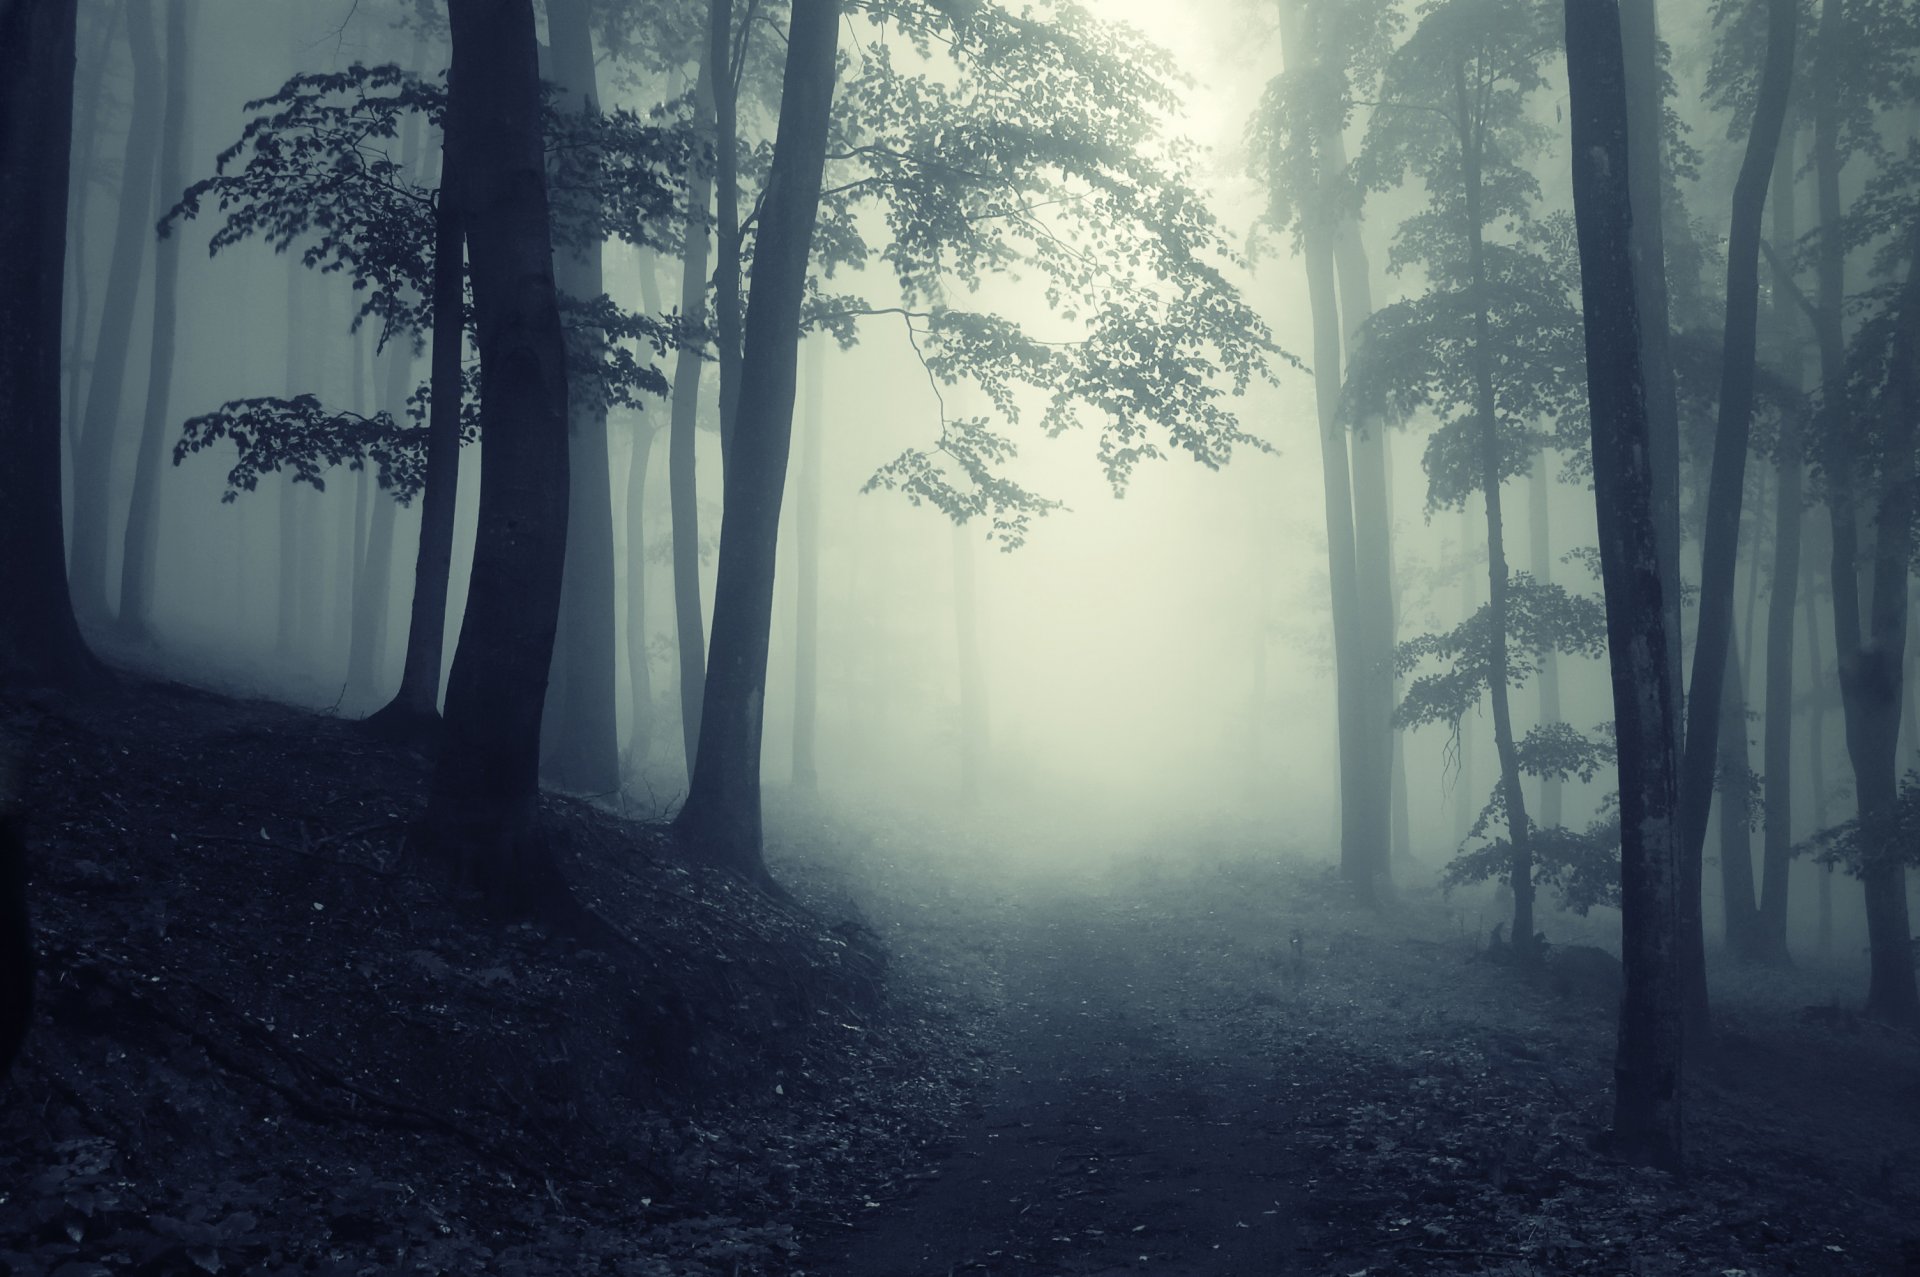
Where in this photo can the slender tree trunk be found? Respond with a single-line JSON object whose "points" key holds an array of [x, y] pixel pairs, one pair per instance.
{"points": [[414, 712], [683, 488], [140, 551], [91, 78], [99, 433], [580, 731], [1870, 653], [722, 812], [291, 546], [806, 648], [40, 644], [1540, 530], [1467, 796], [639, 661], [1647, 1115], [1736, 817], [373, 589], [1817, 742], [1520, 864], [482, 811], [1726, 484]]}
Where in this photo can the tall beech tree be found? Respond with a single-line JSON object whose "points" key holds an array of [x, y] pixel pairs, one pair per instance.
{"points": [[40, 642], [1726, 486], [722, 811], [1648, 1123], [1333, 55], [486, 786]]}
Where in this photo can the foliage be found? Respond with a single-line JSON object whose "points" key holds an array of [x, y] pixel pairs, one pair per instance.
{"points": [[1858, 844], [986, 143], [1540, 618], [305, 438], [1581, 866]]}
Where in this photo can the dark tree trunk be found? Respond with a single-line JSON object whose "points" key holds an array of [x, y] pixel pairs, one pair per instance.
{"points": [[1647, 1119], [683, 489], [1817, 739], [806, 643], [482, 813], [1647, 187], [414, 712], [1736, 815], [1783, 599], [1519, 835], [99, 433], [722, 812], [140, 550], [40, 644], [580, 731], [1725, 487], [1870, 652], [639, 662]]}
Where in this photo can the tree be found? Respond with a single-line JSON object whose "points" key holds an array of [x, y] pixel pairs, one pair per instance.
{"points": [[1725, 489], [1489, 346], [806, 653], [482, 811], [140, 557], [722, 812], [40, 642], [1647, 1115], [1332, 56]]}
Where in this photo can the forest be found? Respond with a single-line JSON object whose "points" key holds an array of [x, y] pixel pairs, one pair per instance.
{"points": [[684, 638]]}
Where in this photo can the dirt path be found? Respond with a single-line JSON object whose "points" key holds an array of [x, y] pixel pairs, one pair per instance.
{"points": [[1117, 1132]]}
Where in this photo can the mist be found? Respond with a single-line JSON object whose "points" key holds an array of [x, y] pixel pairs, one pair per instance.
{"points": [[1283, 626]]}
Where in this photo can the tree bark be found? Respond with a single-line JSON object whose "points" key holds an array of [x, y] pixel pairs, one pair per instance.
{"points": [[1519, 840], [639, 658], [1789, 496], [580, 738], [724, 82], [482, 811], [1726, 483], [139, 560], [89, 77], [722, 812], [414, 712], [40, 643], [683, 490], [93, 461], [1736, 815], [1647, 188], [806, 643], [1648, 1125]]}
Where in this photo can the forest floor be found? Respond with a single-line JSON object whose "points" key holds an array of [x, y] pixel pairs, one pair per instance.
{"points": [[267, 1044]]}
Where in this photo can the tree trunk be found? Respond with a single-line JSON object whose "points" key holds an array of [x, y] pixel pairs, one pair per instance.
{"points": [[580, 738], [1467, 796], [1726, 484], [1540, 529], [1647, 188], [1783, 599], [1817, 742], [99, 434], [1647, 1116], [1736, 815], [806, 645], [722, 812], [40, 643], [482, 811], [414, 712], [1361, 809], [1870, 662], [639, 661], [683, 490], [1520, 864], [140, 551]]}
